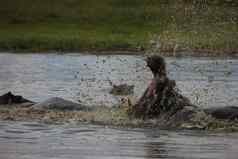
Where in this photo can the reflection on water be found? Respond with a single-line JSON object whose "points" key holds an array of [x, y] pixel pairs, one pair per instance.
{"points": [[26, 140], [206, 81]]}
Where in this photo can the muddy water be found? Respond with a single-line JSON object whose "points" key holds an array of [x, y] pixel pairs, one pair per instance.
{"points": [[40, 141], [206, 81]]}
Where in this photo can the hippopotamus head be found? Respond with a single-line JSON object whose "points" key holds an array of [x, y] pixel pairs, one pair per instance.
{"points": [[10, 98], [157, 65]]}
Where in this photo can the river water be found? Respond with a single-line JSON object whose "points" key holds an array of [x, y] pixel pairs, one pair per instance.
{"points": [[206, 81], [40, 141]]}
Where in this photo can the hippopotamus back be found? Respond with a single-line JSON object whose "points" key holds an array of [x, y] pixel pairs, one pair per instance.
{"points": [[229, 112]]}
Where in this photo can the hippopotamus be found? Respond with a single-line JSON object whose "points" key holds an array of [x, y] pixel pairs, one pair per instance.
{"points": [[162, 98], [10, 98], [228, 112], [56, 103]]}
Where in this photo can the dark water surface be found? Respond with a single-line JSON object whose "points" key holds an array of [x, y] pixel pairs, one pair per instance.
{"points": [[206, 81], [21, 140]]}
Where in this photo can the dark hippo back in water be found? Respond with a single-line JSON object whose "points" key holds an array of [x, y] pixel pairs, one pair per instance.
{"points": [[57, 103], [229, 112]]}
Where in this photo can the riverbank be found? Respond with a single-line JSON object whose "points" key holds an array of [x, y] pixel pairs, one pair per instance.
{"points": [[135, 26]]}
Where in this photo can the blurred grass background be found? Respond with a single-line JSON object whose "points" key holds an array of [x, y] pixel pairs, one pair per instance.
{"points": [[78, 25]]}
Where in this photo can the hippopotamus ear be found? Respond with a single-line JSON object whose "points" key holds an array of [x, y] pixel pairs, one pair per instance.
{"points": [[8, 94]]}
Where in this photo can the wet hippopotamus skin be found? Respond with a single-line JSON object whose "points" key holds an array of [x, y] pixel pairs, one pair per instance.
{"points": [[61, 104], [228, 112], [10, 98], [161, 98]]}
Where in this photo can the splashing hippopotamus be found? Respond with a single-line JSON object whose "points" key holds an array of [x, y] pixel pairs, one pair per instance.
{"points": [[162, 99], [161, 95]]}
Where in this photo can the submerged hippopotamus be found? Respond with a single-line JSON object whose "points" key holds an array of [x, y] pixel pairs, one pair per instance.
{"points": [[162, 99], [54, 103], [229, 112], [61, 104], [10, 98]]}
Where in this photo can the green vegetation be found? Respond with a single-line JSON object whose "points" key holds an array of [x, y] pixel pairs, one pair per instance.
{"points": [[78, 25]]}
